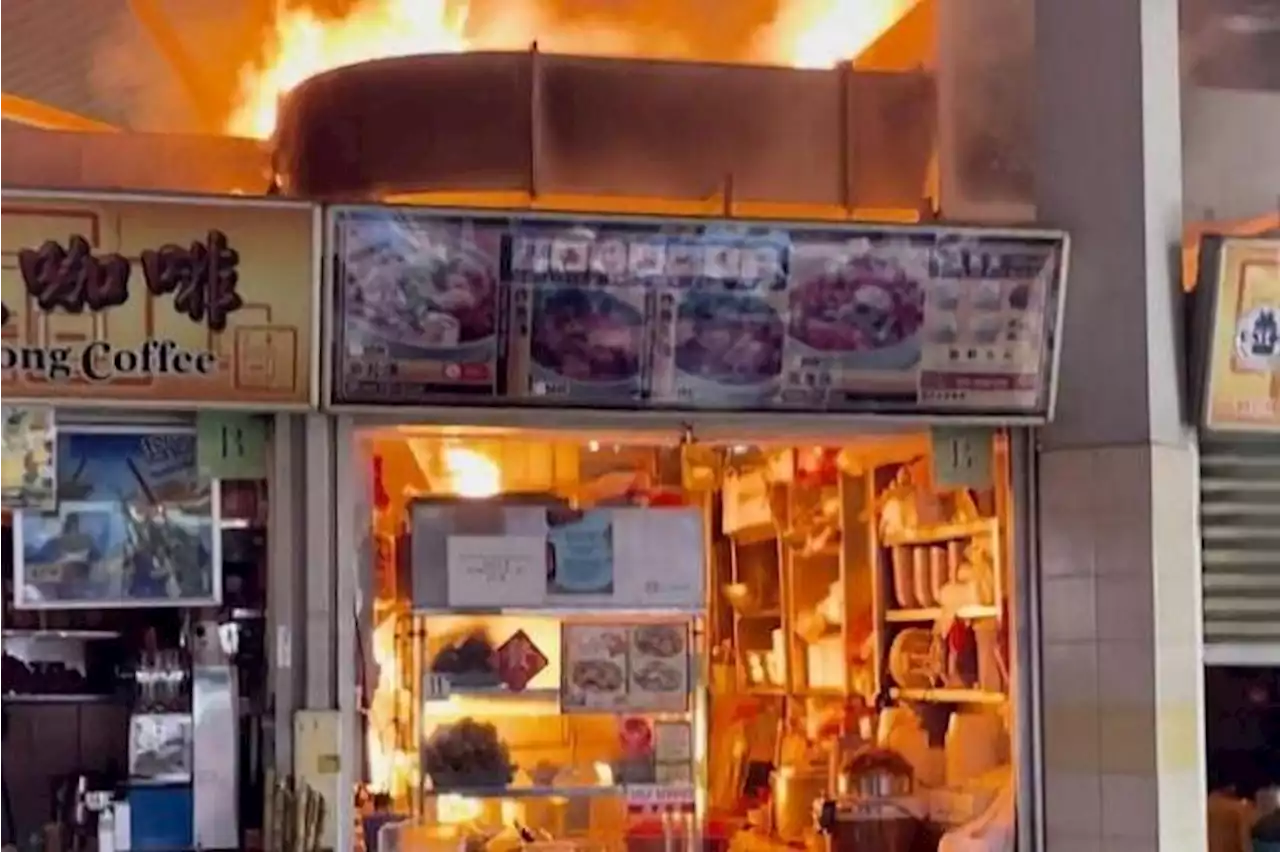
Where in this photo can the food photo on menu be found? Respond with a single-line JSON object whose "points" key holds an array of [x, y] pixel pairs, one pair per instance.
{"points": [[721, 319], [729, 343], [636, 667], [856, 308], [579, 321], [134, 525], [587, 342], [426, 291]]}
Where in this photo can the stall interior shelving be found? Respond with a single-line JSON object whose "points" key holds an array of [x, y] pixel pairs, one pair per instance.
{"points": [[847, 610]]}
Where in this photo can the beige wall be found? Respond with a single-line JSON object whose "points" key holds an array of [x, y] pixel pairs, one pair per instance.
{"points": [[146, 162]]}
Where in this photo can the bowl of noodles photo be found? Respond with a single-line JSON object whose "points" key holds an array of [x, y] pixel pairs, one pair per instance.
{"points": [[861, 319], [437, 299], [591, 337], [729, 345]]}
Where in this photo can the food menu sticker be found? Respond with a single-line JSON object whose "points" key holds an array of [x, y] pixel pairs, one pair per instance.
{"points": [[1243, 392], [854, 317], [594, 673], [721, 318], [417, 299], [989, 314], [579, 316], [626, 668], [487, 571], [30, 458], [659, 667]]}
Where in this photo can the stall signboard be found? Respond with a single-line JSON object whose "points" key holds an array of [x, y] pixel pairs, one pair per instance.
{"points": [[436, 308], [1240, 282], [159, 302]]}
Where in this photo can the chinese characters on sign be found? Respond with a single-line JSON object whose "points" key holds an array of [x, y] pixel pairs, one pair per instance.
{"points": [[72, 278], [170, 300], [202, 278]]}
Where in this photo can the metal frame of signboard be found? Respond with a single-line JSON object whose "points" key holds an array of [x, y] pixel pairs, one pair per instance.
{"points": [[215, 547], [344, 531], [552, 412], [318, 341]]}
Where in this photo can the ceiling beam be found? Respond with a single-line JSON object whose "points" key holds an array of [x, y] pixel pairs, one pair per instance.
{"points": [[45, 117], [169, 45]]}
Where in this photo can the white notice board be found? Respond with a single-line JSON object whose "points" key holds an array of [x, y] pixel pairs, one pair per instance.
{"points": [[497, 570]]}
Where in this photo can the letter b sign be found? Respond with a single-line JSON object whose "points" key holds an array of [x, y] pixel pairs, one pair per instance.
{"points": [[232, 446]]}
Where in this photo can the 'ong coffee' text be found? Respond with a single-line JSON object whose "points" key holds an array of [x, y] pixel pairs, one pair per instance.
{"points": [[100, 361]]}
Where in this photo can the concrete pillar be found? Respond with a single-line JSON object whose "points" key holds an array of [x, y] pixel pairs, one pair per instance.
{"points": [[286, 581], [321, 619], [1123, 685]]}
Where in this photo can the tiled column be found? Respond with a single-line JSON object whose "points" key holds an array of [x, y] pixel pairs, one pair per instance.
{"points": [[1123, 694]]}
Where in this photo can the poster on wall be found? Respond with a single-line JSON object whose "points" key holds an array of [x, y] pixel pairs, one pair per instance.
{"points": [[1239, 284], [135, 525], [611, 312], [30, 460], [178, 302]]}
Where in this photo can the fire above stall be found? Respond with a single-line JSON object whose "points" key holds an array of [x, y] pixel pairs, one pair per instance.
{"points": [[533, 128], [308, 38]]}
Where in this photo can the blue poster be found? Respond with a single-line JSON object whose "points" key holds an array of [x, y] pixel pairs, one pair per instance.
{"points": [[136, 525]]}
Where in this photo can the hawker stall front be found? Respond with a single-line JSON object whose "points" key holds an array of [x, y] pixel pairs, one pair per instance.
{"points": [[148, 342], [662, 533]]}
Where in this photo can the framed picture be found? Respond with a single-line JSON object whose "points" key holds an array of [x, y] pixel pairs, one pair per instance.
{"points": [[29, 458], [136, 525]]}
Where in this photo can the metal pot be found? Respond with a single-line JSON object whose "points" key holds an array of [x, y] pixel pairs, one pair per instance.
{"points": [[795, 791], [876, 784]]}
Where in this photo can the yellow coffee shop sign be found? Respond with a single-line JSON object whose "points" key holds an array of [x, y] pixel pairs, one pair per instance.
{"points": [[162, 303], [1242, 392]]}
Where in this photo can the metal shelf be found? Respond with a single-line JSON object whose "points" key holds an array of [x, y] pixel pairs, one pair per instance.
{"points": [[533, 792], [941, 533], [49, 634], [594, 612], [932, 613], [949, 696], [500, 693], [58, 698]]}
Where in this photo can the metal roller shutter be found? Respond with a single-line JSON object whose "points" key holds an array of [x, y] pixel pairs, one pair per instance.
{"points": [[1240, 540]]}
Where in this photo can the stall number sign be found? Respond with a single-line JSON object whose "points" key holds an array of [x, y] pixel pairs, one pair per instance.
{"points": [[961, 458], [435, 687], [231, 446]]}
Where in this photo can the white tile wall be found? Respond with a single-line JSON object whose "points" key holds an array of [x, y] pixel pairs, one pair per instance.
{"points": [[1126, 608], [1069, 608], [1072, 800], [1119, 620], [1129, 807], [1076, 841]]}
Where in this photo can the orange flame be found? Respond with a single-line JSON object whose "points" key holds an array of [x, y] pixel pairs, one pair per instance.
{"points": [[802, 34]]}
